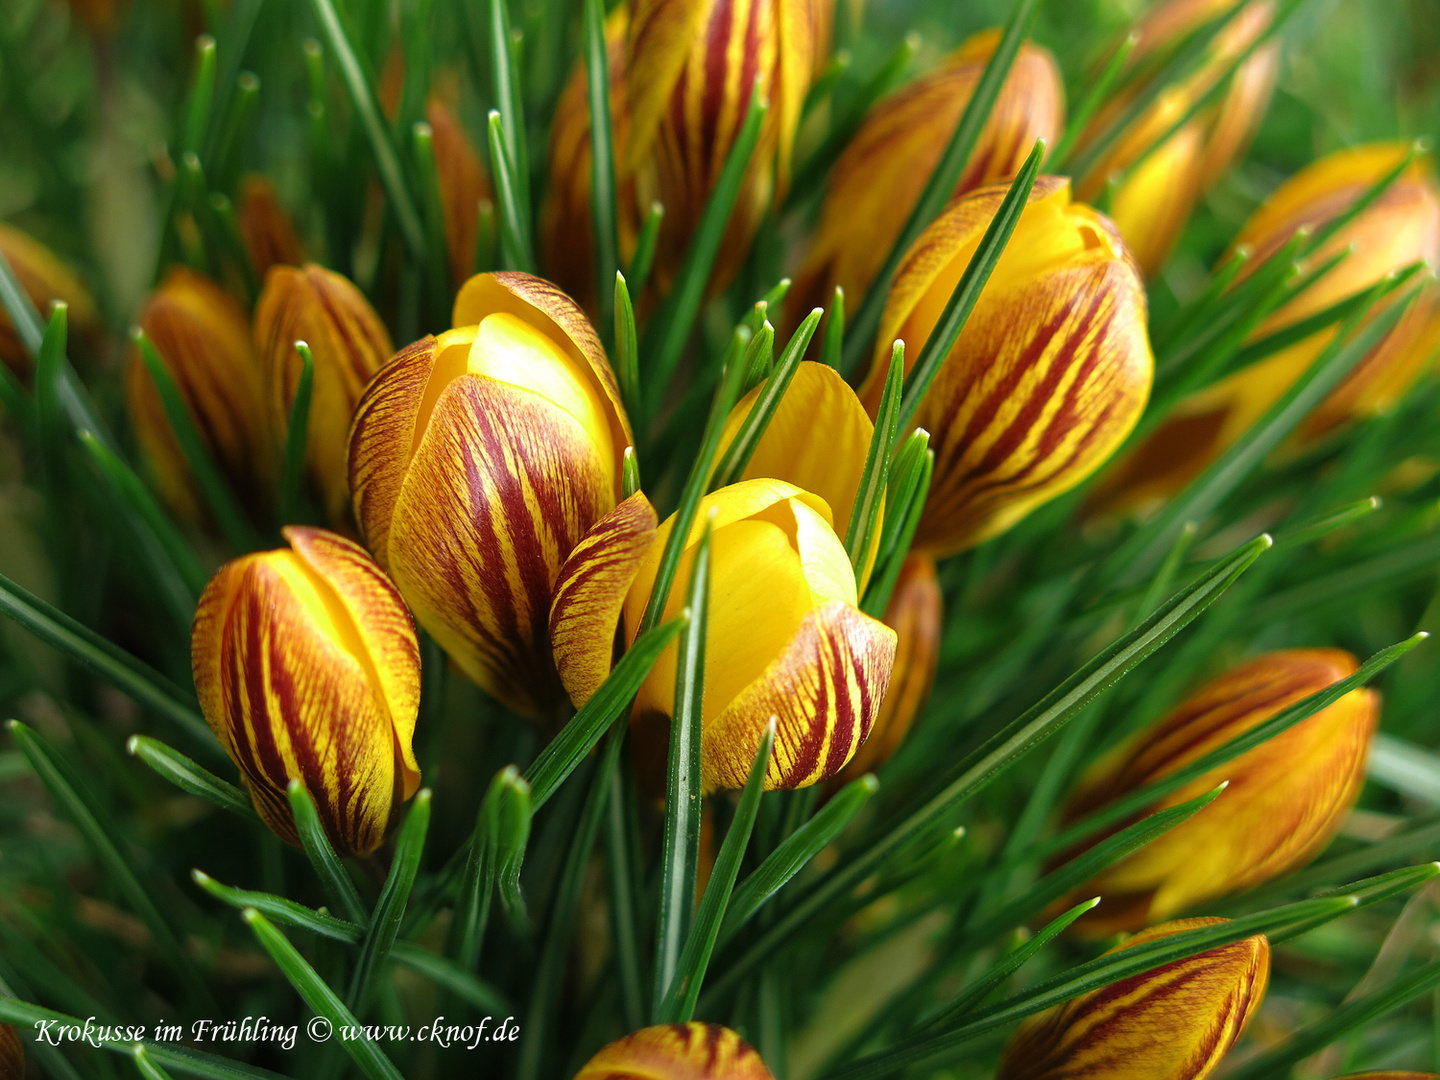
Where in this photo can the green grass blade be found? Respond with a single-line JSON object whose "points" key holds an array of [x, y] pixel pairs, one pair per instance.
{"points": [[643, 260], [478, 993], [603, 209], [472, 909], [1400, 563], [47, 395], [337, 884], [297, 437], [833, 345], [623, 861], [629, 473], [877, 596], [23, 315], [188, 776], [390, 907], [1097, 92], [627, 350], [941, 184], [145, 1064], [680, 851], [971, 284], [870, 498], [201, 97], [321, 999], [1307, 532], [515, 247], [1165, 576], [760, 353], [512, 837], [505, 92], [437, 267]]}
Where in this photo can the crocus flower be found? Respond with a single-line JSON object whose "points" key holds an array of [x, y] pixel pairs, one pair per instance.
{"points": [[265, 228], [44, 278], [1049, 374], [692, 1051], [478, 460], [307, 669], [1284, 801]]}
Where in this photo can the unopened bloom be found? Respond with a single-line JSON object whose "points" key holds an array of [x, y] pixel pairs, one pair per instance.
{"points": [[1154, 200], [691, 1051], [44, 278], [1176, 1022], [203, 338], [478, 459], [463, 185], [307, 669], [265, 228], [785, 636], [1401, 228], [1049, 374], [1284, 801], [349, 344], [12, 1054], [879, 177]]}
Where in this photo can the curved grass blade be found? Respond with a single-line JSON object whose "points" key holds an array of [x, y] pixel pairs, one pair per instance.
{"points": [[1097, 92], [390, 907], [680, 851], [629, 473], [602, 155], [472, 909], [623, 860], [833, 345], [422, 147], [23, 314], [1400, 563], [145, 1064], [188, 776], [940, 185], [515, 246], [1416, 841], [870, 497], [369, 1057], [202, 95], [877, 596], [627, 350], [1309, 531], [112, 663], [297, 437], [513, 836], [643, 260], [328, 868], [505, 90], [760, 353], [977, 769]]}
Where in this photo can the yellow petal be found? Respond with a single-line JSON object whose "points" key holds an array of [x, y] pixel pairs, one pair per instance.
{"points": [[1153, 204], [692, 1051]]}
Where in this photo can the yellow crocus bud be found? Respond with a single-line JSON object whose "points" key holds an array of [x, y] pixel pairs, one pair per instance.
{"points": [[44, 278], [265, 228], [463, 185], [307, 669], [878, 179], [914, 613], [1400, 228], [349, 344], [12, 1054], [1176, 1022], [691, 1051], [1050, 372], [1285, 798], [203, 338], [478, 459], [1154, 199]]}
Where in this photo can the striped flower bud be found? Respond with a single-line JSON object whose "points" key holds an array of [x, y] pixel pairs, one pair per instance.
{"points": [[1049, 374], [307, 669], [879, 177], [349, 344], [12, 1054], [265, 228], [44, 278], [463, 185], [1284, 801], [692, 1051], [1162, 181], [1400, 228], [1176, 1022], [810, 657], [203, 338], [478, 460]]}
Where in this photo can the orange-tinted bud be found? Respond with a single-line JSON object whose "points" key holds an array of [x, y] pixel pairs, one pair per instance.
{"points": [[1176, 1022], [203, 338], [98, 16], [878, 179], [1050, 372], [1154, 201], [307, 668], [463, 185], [12, 1054], [265, 228], [44, 278], [692, 1051], [349, 344], [1285, 798]]}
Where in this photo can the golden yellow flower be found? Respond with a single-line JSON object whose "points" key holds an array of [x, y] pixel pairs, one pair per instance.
{"points": [[1049, 375], [478, 460], [463, 185], [692, 1051], [44, 278], [1176, 1022], [203, 337], [307, 669], [1285, 798], [878, 179], [349, 344], [265, 228]]}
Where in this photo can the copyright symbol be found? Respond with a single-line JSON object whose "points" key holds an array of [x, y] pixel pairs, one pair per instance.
{"points": [[318, 1029]]}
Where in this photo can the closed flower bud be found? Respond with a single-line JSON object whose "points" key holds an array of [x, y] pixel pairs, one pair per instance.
{"points": [[265, 228], [1157, 194], [44, 278], [203, 338], [478, 459], [463, 185], [811, 658], [1176, 1022], [1400, 228], [1050, 372], [878, 179], [1284, 801], [307, 669], [12, 1054], [692, 1051], [349, 344]]}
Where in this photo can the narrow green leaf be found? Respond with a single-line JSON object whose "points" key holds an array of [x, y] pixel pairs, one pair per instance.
{"points": [[23, 315], [505, 92], [602, 155], [680, 851], [222, 211], [515, 246], [476, 992], [679, 1004], [512, 836], [229, 139], [630, 473], [833, 345], [472, 909], [759, 354], [324, 1001], [870, 498], [1194, 312], [188, 776], [1307, 532], [297, 437], [1097, 92], [145, 1064], [202, 95], [437, 267], [338, 887], [877, 596], [47, 393], [1417, 841], [644, 258], [623, 855], [1165, 576], [1384, 570], [627, 351], [390, 907]]}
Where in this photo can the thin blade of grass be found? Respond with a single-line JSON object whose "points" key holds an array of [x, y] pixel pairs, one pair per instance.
{"points": [[472, 909], [297, 437], [515, 247], [505, 91], [627, 350], [1097, 92], [877, 596], [641, 262], [390, 907], [603, 209], [337, 884], [145, 1064], [833, 345], [623, 860], [188, 776], [870, 498]]}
